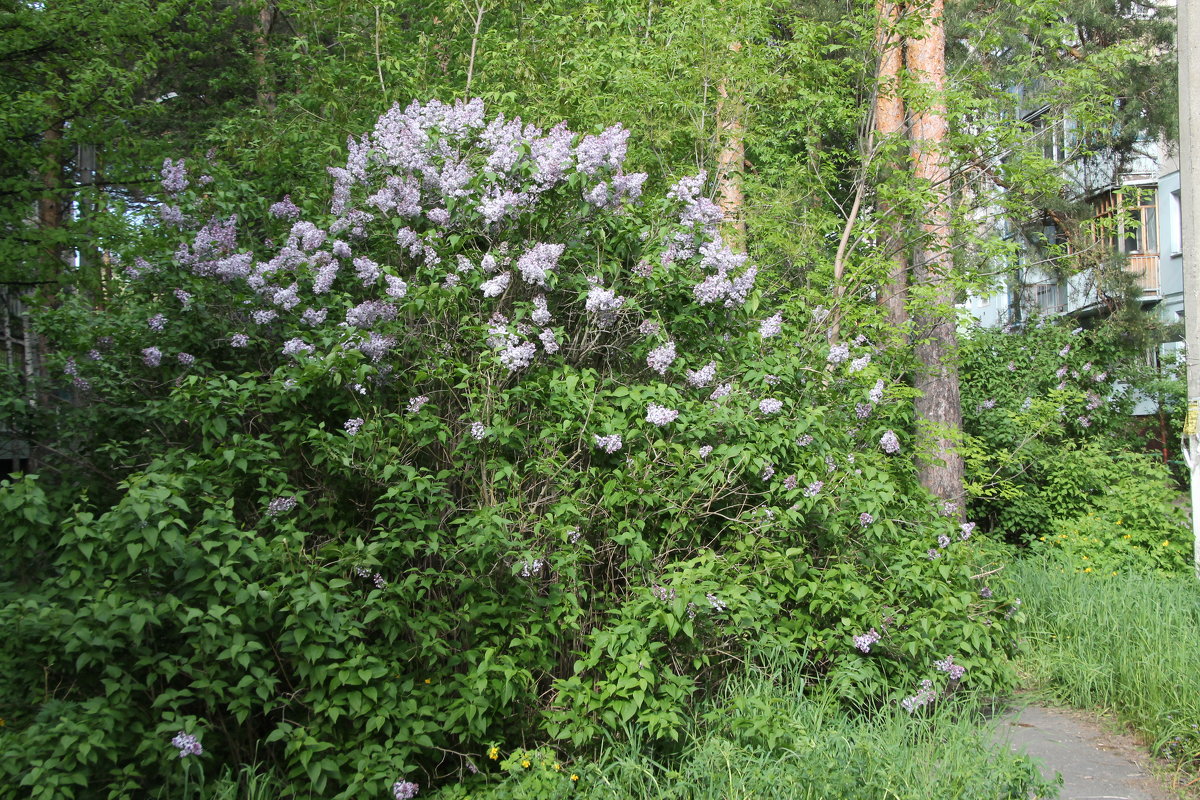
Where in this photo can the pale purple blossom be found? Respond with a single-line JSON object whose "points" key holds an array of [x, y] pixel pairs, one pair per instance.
{"points": [[838, 353], [314, 316], [377, 346], [859, 364], [157, 323], [889, 442], [1063, 352], [791, 482], [184, 298], [770, 405], [864, 641], [538, 261], [721, 391], [284, 209], [717, 604], [353, 425], [281, 505], [415, 403], [186, 359], [294, 347], [660, 415], [865, 519], [876, 393], [771, 326], [187, 744], [702, 377], [239, 340], [478, 430], [263, 315], [1084, 422], [518, 356], [174, 176], [947, 665], [396, 287], [862, 410], [151, 356], [541, 312], [932, 554], [705, 451], [805, 440], [496, 286], [943, 541], [768, 472], [366, 270], [405, 790], [172, 215], [661, 357], [610, 443], [924, 696], [814, 488], [549, 341], [600, 300]]}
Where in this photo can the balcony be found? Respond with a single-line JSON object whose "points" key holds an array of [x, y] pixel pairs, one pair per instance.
{"points": [[1144, 268]]}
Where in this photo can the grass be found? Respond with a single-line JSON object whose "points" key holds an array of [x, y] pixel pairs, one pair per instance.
{"points": [[1129, 643], [766, 737]]}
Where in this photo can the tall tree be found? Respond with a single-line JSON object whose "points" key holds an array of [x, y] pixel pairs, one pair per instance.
{"points": [[938, 407]]}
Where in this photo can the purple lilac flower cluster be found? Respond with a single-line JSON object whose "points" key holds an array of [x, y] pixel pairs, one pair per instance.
{"points": [[405, 790], [610, 443], [187, 744], [889, 442], [947, 665], [924, 696], [864, 641], [660, 415], [281, 505]]}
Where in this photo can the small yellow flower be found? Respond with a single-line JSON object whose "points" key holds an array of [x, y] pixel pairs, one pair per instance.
{"points": [[1085, 558], [1165, 543], [557, 766], [574, 777], [1087, 569], [1114, 572], [493, 753], [525, 763], [427, 680], [1127, 536], [1042, 538]]}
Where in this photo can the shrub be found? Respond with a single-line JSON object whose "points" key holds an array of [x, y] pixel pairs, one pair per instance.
{"points": [[498, 450]]}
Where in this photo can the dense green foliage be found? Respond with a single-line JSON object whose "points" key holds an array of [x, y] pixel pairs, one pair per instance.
{"points": [[1050, 462], [398, 539]]}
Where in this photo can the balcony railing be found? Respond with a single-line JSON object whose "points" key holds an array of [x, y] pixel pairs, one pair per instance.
{"points": [[1144, 268]]}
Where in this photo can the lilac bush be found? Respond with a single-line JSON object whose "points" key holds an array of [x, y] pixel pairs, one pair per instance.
{"points": [[503, 371]]}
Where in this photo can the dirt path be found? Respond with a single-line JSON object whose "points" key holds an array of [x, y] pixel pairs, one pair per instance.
{"points": [[1095, 763]]}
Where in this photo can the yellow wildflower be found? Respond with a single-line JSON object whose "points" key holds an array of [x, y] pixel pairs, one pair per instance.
{"points": [[574, 777], [1088, 569], [1165, 543], [493, 753], [525, 763], [557, 766], [427, 680]]}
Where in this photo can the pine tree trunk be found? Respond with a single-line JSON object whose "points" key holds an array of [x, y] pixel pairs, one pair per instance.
{"points": [[50, 203], [938, 407], [889, 122], [262, 30], [731, 157]]}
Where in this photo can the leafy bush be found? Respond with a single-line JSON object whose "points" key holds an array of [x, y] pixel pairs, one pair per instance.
{"points": [[498, 450], [1117, 513], [1046, 411]]}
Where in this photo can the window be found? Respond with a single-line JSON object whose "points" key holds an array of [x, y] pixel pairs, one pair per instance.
{"points": [[1176, 223], [1133, 212]]}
